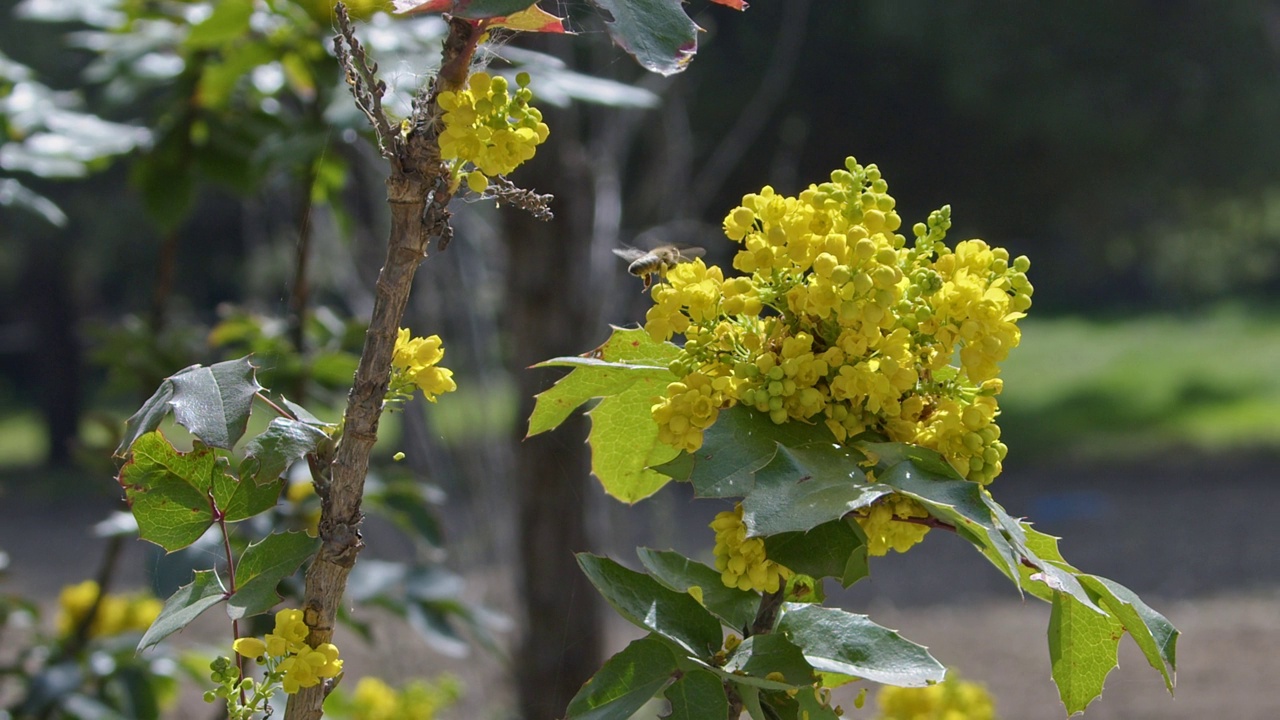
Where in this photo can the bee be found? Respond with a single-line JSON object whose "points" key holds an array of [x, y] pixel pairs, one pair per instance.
{"points": [[647, 263]]}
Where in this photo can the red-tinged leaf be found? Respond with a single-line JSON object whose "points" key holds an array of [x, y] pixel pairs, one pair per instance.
{"points": [[469, 9], [534, 19], [735, 4]]}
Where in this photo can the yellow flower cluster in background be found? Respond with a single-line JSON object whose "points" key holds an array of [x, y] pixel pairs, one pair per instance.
{"points": [[488, 129], [741, 560], [414, 365], [951, 699], [374, 699], [116, 613], [839, 320], [286, 653]]}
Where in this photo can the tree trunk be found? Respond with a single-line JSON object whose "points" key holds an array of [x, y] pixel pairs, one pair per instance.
{"points": [[550, 315]]}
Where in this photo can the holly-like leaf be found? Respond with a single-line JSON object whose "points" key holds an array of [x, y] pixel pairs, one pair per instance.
{"points": [[269, 454], [628, 372], [762, 655], [806, 486], [183, 606], [1082, 650], [657, 32], [741, 442], [835, 641], [261, 568], [645, 603], [149, 416], [697, 695], [736, 608], [626, 682], [246, 499], [835, 549], [214, 402], [624, 442], [469, 9], [170, 493], [1154, 634]]}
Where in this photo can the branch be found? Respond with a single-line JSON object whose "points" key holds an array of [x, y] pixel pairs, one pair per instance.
{"points": [[362, 76], [418, 195], [507, 193]]}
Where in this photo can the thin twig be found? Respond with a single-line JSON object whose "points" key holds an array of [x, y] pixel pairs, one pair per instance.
{"points": [[507, 193], [362, 76]]}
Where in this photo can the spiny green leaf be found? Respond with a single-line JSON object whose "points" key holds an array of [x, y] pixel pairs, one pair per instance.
{"points": [[835, 549], [803, 487], [645, 603], [183, 606], [170, 493], [247, 499], [629, 373], [269, 454], [761, 655], [608, 370], [149, 416], [741, 442], [1154, 634], [1082, 650], [214, 402], [657, 32], [261, 568], [839, 642], [626, 682], [736, 608], [624, 442], [697, 695]]}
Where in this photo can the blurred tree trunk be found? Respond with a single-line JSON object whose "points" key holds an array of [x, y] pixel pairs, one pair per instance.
{"points": [[551, 314], [56, 356]]}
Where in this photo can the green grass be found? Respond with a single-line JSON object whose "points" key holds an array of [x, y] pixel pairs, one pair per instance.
{"points": [[1144, 385], [23, 440]]}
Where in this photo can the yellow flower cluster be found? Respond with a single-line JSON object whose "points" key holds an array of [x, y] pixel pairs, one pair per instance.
{"points": [[374, 699], [414, 365], [488, 128], [116, 613], [741, 560], [885, 529], [839, 320], [286, 653], [951, 699]]}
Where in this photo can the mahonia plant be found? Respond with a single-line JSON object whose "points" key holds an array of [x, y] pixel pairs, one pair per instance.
{"points": [[487, 130], [176, 496], [842, 391], [840, 320], [289, 662]]}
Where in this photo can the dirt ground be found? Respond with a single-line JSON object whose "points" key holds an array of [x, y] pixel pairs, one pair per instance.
{"points": [[1190, 535]]}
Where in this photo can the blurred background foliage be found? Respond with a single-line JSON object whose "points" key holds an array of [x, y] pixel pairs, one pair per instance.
{"points": [[1129, 149], [213, 192]]}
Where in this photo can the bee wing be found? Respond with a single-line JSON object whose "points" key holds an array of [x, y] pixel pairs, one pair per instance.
{"points": [[689, 252], [629, 254]]}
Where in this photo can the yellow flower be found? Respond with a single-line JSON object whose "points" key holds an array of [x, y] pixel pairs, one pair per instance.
{"points": [[250, 647], [414, 363], [741, 560]]}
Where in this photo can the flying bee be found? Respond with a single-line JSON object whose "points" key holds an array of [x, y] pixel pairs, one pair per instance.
{"points": [[647, 263]]}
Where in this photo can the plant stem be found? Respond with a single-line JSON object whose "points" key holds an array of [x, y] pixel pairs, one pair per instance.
{"points": [[418, 195]]}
